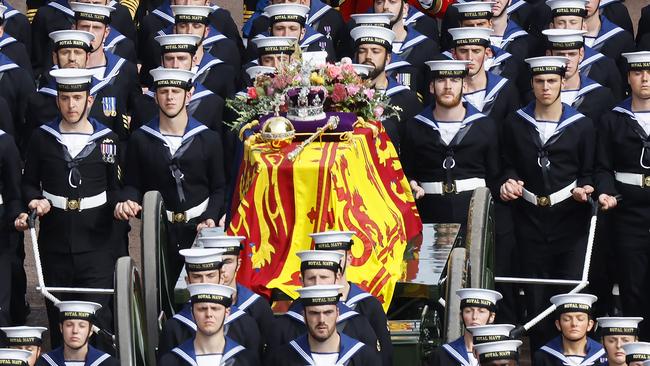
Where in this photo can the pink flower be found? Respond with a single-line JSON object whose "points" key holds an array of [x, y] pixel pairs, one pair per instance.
{"points": [[252, 92], [352, 89], [334, 71], [378, 111], [280, 82], [338, 93], [348, 68], [370, 93]]}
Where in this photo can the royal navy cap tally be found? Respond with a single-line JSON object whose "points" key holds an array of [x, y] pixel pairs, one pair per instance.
{"points": [[83, 310], [72, 80], [564, 39], [287, 13], [178, 78], [72, 39], [274, 45], [475, 9], [23, 336], [320, 295], [638, 60], [208, 292], [471, 36], [478, 297], [490, 333], [320, 259], [610, 325], [636, 352], [373, 19], [191, 13], [255, 71], [201, 259], [231, 244], [502, 350], [362, 70], [92, 12], [570, 303], [333, 240], [374, 35], [547, 65], [178, 43], [448, 68], [568, 7], [11, 356]]}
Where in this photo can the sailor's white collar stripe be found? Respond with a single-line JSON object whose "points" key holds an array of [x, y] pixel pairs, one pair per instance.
{"points": [[526, 116], [588, 61], [250, 301], [183, 319], [302, 353], [7, 41], [112, 3], [492, 93], [396, 89], [513, 7], [296, 316], [568, 121], [502, 57], [184, 356], [345, 316], [193, 132], [201, 94], [514, 35], [208, 65], [11, 13], [456, 355], [48, 91], [427, 121], [163, 15], [100, 359], [234, 316], [624, 111], [108, 77], [2, 133], [608, 35], [396, 65], [48, 359], [62, 8], [604, 3], [587, 89], [413, 18], [162, 32], [448, 54], [471, 118], [413, 42], [93, 137], [213, 39], [319, 13], [311, 39], [358, 297], [343, 360], [7, 67], [115, 41], [585, 362]]}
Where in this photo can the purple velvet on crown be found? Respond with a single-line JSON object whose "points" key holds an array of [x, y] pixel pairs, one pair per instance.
{"points": [[346, 120]]}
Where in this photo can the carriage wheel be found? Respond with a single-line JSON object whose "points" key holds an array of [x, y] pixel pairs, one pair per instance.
{"points": [[130, 328], [480, 239], [456, 279]]}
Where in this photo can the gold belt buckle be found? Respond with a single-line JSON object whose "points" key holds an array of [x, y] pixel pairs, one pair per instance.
{"points": [[543, 201], [72, 205], [448, 188], [179, 217], [646, 181]]}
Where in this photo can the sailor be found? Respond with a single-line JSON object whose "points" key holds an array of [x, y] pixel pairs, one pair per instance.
{"points": [[76, 321], [548, 157], [10, 206], [614, 332], [490, 94], [71, 180], [477, 307], [636, 353], [579, 91], [244, 299], [17, 25], [182, 159], [643, 29], [10, 46], [573, 320], [373, 47], [412, 46], [323, 344], [17, 357], [290, 20], [204, 266], [570, 14], [271, 52], [449, 149], [210, 345], [490, 333], [24, 338], [422, 23], [352, 295], [16, 87], [622, 168], [501, 353]]}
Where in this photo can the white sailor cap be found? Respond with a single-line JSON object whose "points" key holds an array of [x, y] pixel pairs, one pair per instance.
{"points": [[320, 259], [12, 355], [201, 259], [636, 352], [362, 70], [191, 13], [71, 39], [208, 292], [333, 240], [568, 7], [490, 333], [448, 68], [320, 295], [375, 35], [638, 60], [72, 80], [564, 39], [646, 363], [178, 42], [478, 297], [274, 45], [83, 310], [92, 12], [287, 13], [570, 303], [547, 65], [178, 78], [611, 325], [23, 336], [475, 9], [471, 36], [231, 244], [254, 71], [373, 19], [502, 350]]}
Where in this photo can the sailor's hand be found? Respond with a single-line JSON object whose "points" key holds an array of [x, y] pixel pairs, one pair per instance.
{"points": [[41, 206], [607, 202], [204, 224], [418, 192], [511, 190], [126, 210], [222, 221], [21, 222], [580, 194]]}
